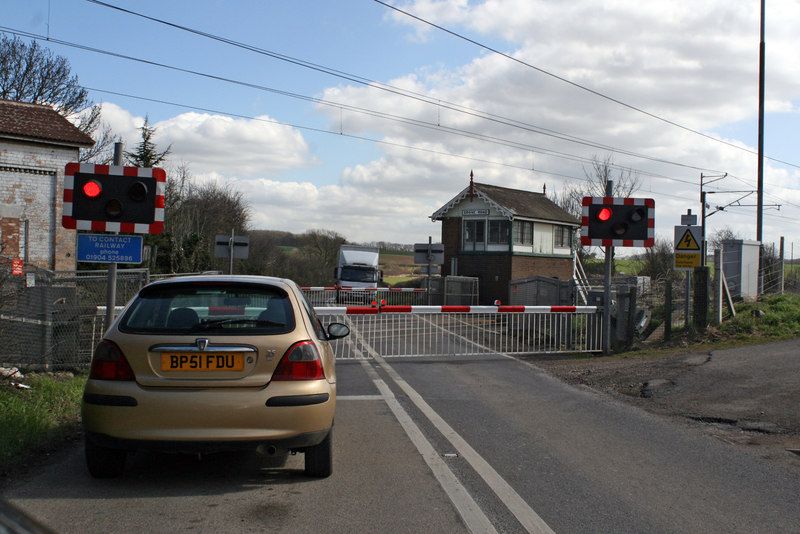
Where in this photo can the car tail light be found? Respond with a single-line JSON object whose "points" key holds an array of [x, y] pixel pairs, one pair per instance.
{"points": [[301, 362], [109, 363]]}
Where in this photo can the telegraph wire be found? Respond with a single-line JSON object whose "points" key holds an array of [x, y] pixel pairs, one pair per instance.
{"points": [[386, 116], [382, 142], [378, 114], [575, 84], [418, 96]]}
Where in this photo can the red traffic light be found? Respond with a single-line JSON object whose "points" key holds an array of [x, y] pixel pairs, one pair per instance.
{"points": [[604, 214], [92, 189]]}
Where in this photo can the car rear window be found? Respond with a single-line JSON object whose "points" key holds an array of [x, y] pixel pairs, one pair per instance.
{"points": [[210, 308]]}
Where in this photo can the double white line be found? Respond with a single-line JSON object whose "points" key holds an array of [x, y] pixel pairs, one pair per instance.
{"points": [[473, 516]]}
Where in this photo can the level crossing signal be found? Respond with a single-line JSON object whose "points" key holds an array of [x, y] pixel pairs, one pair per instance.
{"points": [[618, 222], [114, 199]]}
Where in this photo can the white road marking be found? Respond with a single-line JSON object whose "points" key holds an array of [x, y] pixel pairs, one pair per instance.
{"points": [[358, 397], [474, 518], [516, 504]]}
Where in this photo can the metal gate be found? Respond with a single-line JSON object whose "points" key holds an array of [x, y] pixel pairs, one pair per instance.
{"points": [[408, 331]]}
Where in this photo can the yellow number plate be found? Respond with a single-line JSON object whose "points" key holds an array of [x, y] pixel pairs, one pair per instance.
{"points": [[188, 361]]}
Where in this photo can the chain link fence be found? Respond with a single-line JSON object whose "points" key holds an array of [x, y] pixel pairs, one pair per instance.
{"points": [[50, 319]]}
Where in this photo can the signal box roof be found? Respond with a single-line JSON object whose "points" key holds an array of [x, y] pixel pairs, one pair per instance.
{"points": [[512, 203]]}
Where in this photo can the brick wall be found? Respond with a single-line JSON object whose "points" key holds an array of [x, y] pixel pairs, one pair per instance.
{"points": [[31, 190], [526, 266]]}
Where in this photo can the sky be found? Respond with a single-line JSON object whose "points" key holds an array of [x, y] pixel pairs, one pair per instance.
{"points": [[354, 117]]}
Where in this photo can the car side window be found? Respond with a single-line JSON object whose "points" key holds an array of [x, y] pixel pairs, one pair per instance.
{"points": [[318, 327]]}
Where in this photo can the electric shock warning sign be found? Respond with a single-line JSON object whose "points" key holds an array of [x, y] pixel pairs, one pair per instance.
{"points": [[688, 246]]}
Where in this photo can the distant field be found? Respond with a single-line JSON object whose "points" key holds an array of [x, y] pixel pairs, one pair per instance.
{"points": [[397, 267]]}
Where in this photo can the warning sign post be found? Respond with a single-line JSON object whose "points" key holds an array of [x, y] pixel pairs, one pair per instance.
{"points": [[688, 247]]}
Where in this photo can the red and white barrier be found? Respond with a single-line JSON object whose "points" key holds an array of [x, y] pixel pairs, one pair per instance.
{"points": [[370, 310]]}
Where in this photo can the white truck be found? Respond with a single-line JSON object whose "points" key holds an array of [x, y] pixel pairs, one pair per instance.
{"points": [[358, 268]]}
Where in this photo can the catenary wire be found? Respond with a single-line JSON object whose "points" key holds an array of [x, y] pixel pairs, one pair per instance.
{"points": [[577, 85], [430, 100]]}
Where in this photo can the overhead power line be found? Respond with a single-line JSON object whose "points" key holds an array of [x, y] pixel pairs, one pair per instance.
{"points": [[361, 80], [387, 116], [577, 85]]}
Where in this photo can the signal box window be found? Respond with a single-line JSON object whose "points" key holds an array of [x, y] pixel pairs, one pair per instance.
{"points": [[498, 232], [523, 233], [561, 236], [474, 235]]}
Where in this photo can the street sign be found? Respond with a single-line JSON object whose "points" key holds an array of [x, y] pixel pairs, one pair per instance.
{"points": [[687, 241], [17, 266], [434, 269], [425, 253], [688, 246], [107, 248], [686, 262], [241, 247]]}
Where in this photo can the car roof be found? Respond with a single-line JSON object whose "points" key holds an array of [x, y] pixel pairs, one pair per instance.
{"points": [[236, 278]]}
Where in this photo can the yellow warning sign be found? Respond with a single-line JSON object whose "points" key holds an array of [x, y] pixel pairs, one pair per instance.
{"points": [[687, 242], [686, 260]]}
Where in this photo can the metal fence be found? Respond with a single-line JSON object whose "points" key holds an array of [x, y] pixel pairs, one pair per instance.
{"points": [[50, 319], [465, 330], [53, 320], [333, 296], [449, 291]]}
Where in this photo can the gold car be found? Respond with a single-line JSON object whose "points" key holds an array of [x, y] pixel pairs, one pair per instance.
{"points": [[212, 363]]}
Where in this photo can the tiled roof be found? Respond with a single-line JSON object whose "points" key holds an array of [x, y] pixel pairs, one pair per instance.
{"points": [[515, 202], [37, 122]]}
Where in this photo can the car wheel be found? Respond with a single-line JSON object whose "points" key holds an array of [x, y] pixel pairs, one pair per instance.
{"points": [[319, 458], [104, 462]]}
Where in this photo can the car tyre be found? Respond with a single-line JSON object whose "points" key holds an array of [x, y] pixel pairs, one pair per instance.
{"points": [[319, 458], [104, 462]]}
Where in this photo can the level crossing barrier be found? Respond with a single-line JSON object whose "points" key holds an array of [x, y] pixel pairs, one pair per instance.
{"points": [[366, 296], [407, 331]]}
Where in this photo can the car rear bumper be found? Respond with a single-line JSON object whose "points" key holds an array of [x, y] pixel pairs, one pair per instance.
{"points": [[299, 441], [284, 414]]}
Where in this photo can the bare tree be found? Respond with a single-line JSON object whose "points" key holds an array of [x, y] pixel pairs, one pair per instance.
{"points": [[723, 234], [658, 261], [570, 198], [89, 122], [31, 73]]}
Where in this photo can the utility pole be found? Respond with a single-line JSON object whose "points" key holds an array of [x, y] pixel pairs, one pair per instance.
{"points": [[111, 279], [607, 286], [760, 202]]}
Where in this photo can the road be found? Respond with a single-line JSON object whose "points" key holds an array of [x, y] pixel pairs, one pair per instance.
{"points": [[488, 444]]}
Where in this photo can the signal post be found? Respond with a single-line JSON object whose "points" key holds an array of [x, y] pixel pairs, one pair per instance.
{"points": [[616, 222], [113, 198]]}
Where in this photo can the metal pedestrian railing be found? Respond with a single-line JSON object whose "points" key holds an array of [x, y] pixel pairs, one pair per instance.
{"points": [[407, 331]]}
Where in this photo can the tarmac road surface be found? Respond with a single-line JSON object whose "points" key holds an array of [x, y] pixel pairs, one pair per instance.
{"points": [[489, 444]]}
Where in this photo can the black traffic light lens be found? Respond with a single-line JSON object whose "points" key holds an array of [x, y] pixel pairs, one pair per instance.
{"points": [[637, 214], [113, 208], [138, 192], [619, 229]]}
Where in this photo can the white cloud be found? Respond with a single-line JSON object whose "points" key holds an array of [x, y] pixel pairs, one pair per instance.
{"points": [[689, 63], [692, 63], [218, 144]]}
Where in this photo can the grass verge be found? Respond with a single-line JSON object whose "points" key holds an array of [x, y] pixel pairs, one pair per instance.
{"points": [[36, 419]]}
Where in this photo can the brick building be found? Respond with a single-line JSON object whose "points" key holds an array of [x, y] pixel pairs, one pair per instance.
{"points": [[36, 143], [499, 234]]}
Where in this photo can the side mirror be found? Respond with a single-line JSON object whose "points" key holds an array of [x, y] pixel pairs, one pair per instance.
{"points": [[338, 330]]}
